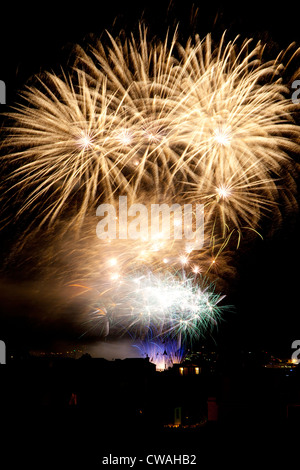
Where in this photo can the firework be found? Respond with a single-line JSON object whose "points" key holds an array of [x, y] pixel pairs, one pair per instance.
{"points": [[195, 122], [172, 305], [237, 118]]}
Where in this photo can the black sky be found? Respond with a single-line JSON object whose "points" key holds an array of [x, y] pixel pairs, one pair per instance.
{"points": [[34, 38]]}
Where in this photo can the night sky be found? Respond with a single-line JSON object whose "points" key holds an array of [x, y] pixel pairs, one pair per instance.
{"points": [[266, 288]]}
